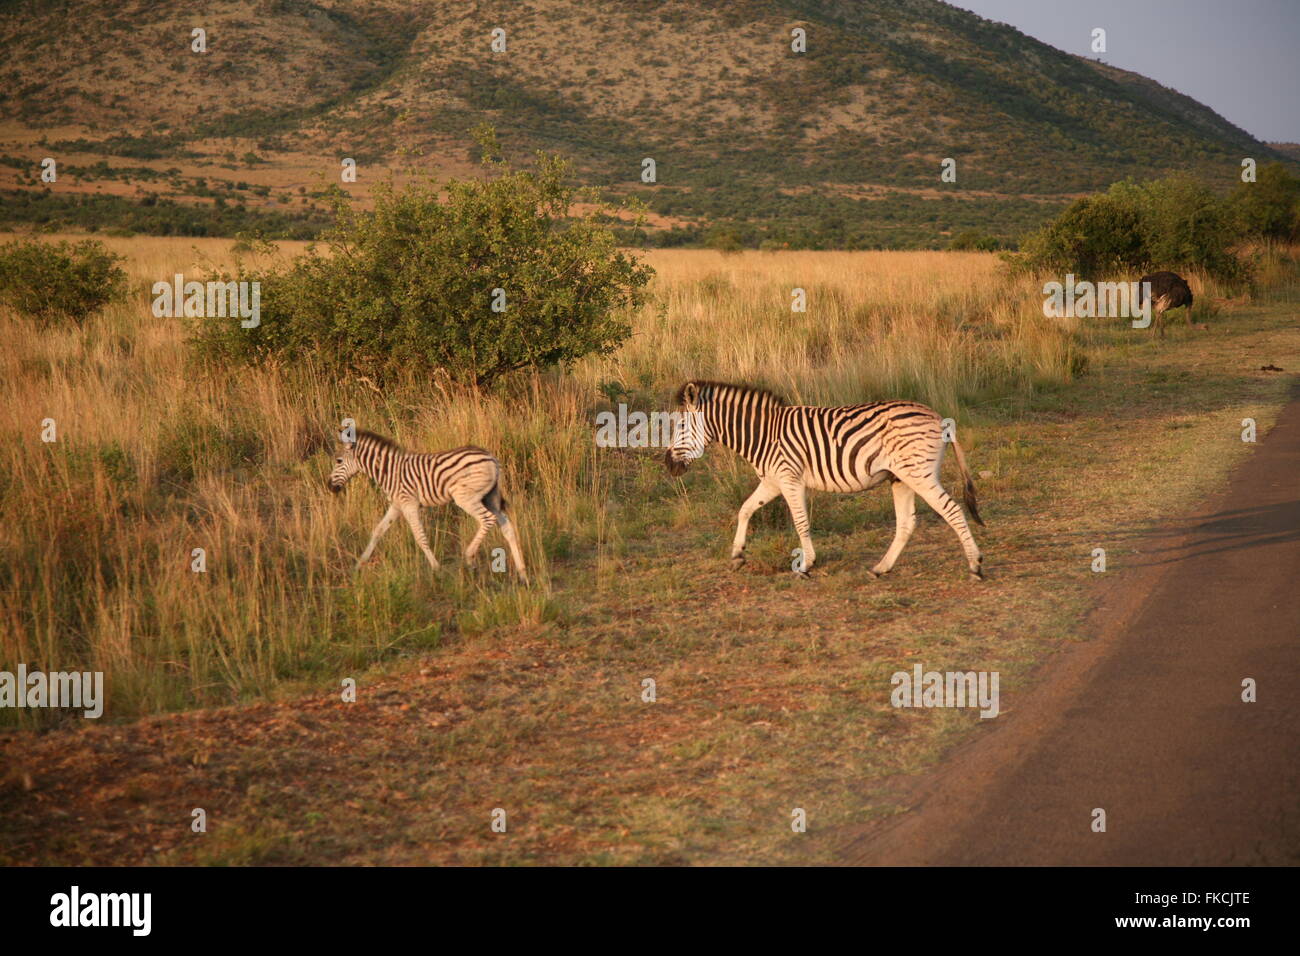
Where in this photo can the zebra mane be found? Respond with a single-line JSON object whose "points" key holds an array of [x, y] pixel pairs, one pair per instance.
{"points": [[710, 387], [379, 441]]}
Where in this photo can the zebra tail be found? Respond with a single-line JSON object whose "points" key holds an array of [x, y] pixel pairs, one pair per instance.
{"points": [[494, 497], [968, 486]]}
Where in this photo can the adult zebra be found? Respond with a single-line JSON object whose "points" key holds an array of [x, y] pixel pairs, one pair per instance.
{"points": [[468, 476], [797, 447]]}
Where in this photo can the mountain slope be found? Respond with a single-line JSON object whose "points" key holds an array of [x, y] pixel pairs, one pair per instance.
{"points": [[741, 128]]}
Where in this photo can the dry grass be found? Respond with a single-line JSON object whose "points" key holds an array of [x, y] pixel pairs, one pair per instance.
{"points": [[942, 328], [157, 456], [475, 693]]}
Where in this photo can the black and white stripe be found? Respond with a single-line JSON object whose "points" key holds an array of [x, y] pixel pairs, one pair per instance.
{"points": [[797, 447], [468, 476]]}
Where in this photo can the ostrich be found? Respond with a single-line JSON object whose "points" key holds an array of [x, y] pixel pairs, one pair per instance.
{"points": [[1169, 290]]}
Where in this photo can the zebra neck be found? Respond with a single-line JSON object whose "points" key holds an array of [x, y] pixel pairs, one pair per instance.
{"points": [[383, 466], [745, 434]]}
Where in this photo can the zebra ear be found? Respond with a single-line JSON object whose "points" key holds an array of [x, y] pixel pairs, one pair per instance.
{"points": [[689, 392]]}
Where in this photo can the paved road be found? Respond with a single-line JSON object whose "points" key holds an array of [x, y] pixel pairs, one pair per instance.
{"points": [[1146, 721]]}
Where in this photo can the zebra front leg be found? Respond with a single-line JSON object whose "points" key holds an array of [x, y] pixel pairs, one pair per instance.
{"points": [[932, 494], [904, 525], [796, 499], [764, 493], [411, 512], [389, 516]]}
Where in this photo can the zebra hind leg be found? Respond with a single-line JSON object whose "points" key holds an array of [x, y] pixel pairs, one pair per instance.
{"points": [[516, 552], [477, 509], [495, 503], [932, 494]]}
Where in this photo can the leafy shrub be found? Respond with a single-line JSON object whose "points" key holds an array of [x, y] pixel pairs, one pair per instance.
{"points": [[411, 285], [972, 240], [723, 239], [1095, 235], [1270, 206], [54, 281], [153, 216], [1186, 225], [1172, 223]]}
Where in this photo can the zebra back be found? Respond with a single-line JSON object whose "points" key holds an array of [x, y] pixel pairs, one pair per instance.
{"points": [[837, 448]]}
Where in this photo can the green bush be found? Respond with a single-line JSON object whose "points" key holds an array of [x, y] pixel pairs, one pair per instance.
{"points": [[58, 281], [410, 286], [1270, 206], [1095, 235], [723, 239], [972, 240], [1186, 225], [1172, 223]]}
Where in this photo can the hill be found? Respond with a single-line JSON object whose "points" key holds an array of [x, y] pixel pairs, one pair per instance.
{"points": [[839, 145]]}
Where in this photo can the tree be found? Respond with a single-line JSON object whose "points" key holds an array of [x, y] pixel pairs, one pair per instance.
{"points": [[487, 277], [1270, 206]]}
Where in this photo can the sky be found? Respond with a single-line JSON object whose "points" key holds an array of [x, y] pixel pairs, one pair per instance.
{"points": [[1241, 58]]}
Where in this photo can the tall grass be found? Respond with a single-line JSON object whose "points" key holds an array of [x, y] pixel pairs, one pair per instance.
{"points": [[157, 456], [941, 328]]}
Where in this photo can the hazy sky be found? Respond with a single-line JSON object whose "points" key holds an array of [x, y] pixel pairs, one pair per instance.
{"points": [[1241, 58]]}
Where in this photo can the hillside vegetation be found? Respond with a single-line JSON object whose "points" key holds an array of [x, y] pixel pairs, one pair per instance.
{"points": [[837, 147]]}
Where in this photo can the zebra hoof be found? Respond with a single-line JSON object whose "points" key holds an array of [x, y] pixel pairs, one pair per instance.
{"points": [[977, 575], [737, 562], [874, 575], [805, 575]]}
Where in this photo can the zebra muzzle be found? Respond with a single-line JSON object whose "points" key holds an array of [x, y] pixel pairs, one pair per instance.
{"points": [[675, 468]]}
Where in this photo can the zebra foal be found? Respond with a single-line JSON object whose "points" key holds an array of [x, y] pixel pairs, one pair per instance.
{"points": [[468, 476], [852, 448]]}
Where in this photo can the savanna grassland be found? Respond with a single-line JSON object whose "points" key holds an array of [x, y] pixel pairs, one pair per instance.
{"points": [[476, 693]]}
